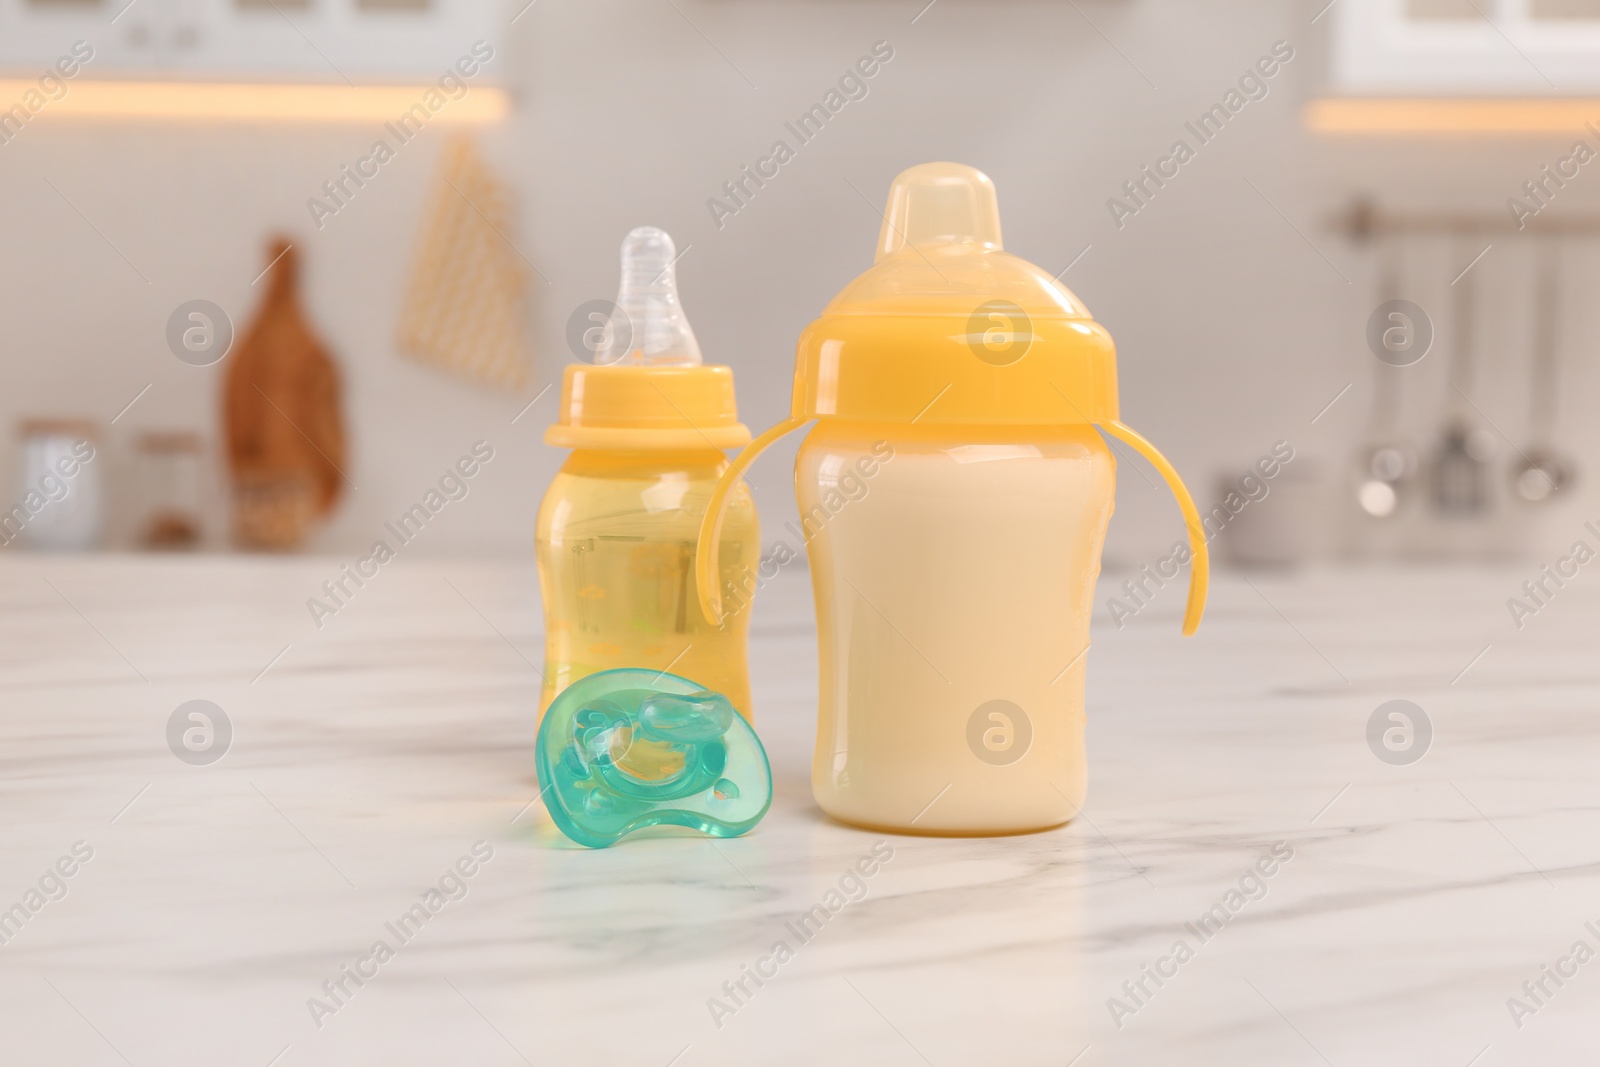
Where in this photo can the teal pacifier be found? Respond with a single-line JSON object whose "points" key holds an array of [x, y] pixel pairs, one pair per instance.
{"points": [[630, 748]]}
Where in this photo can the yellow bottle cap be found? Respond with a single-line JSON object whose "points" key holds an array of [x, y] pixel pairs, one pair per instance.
{"points": [[640, 406], [947, 327], [647, 388]]}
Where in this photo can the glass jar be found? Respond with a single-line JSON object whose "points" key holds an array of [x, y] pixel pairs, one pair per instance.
{"points": [[59, 505], [169, 466]]}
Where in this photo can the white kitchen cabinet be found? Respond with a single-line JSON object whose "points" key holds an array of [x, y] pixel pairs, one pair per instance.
{"points": [[1467, 47], [355, 41]]}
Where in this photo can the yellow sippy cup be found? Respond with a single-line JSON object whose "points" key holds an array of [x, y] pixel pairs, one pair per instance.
{"points": [[618, 525], [954, 496]]}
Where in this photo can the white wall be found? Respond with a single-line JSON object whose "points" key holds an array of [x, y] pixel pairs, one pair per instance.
{"points": [[1233, 331]]}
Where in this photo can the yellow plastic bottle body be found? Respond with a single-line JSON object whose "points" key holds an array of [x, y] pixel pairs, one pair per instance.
{"points": [[953, 591], [616, 550]]}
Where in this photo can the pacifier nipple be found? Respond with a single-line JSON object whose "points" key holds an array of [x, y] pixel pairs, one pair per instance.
{"points": [[937, 204], [656, 333]]}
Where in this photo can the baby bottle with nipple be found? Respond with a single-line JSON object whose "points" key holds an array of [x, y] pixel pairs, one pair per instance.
{"points": [[646, 422], [954, 495]]}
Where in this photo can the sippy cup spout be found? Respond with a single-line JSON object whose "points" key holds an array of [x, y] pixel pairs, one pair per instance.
{"points": [[940, 203], [657, 331]]}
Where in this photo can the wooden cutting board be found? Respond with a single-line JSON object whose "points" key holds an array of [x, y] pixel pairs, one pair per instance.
{"points": [[282, 415]]}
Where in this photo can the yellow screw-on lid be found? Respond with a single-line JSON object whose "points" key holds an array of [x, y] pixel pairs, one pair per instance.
{"points": [[647, 388], [638, 406], [949, 328]]}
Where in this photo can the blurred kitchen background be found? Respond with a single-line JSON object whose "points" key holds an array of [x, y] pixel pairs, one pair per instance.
{"points": [[1377, 161]]}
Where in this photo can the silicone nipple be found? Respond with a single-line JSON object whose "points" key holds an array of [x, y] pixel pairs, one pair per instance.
{"points": [[656, 332], [940, 203], [630, 748]]}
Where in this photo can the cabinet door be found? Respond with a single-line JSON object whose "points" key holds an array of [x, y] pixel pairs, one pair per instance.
{"points": [[294, 40], [1466, 47]]}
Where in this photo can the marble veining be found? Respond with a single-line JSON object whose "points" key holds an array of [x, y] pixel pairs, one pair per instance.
{"points": [[370, 754]]}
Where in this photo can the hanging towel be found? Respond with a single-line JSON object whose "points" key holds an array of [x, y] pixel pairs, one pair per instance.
{"points": [[464, 308]]}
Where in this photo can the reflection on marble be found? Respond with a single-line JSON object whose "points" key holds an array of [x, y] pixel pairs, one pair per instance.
{"points": [[369, 756]]}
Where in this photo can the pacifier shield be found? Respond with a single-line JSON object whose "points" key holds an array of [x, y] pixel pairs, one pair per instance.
{"points": [[624, 749]]}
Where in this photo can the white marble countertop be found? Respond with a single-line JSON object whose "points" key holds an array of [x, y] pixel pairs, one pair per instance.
{"points": [[369, 757]]}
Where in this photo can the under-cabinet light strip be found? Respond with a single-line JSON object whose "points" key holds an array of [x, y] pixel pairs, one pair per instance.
{"points": [[233, 101], [1374, 115]]}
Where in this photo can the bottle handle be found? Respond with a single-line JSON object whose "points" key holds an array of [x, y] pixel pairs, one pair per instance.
{"points": [[706, 551], [1200, 561]]}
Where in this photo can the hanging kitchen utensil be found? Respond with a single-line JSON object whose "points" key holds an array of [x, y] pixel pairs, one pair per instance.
{"points": [[1386, 464], [1541, 472], [282, 419], [1461, 464]]}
